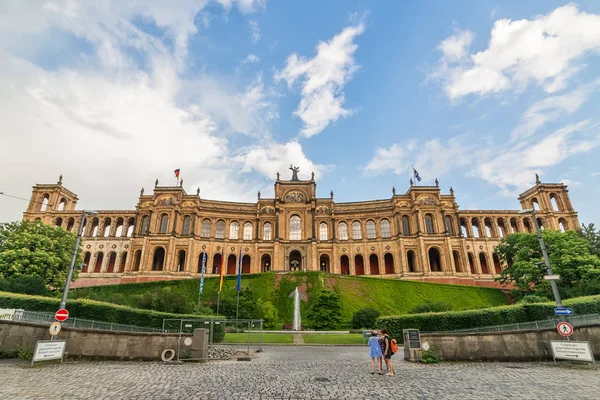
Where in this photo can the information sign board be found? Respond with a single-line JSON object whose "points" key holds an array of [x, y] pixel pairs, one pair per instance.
{"points": [[414, 339], [571, 350], [46, 350]]}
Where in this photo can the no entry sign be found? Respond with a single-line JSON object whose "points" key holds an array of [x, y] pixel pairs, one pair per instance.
{"points": [[565, 329], [61, 315]]}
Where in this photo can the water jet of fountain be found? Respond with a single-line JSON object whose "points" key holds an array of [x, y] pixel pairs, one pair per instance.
{"points": [[297, 318]]}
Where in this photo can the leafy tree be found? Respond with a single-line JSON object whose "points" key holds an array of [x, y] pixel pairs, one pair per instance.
{"points": [[431, 306], [569, 256], [30, 248], [365, 318], [268, 313], [326, 311], [248, 306], [24, 284], [593, 237]]}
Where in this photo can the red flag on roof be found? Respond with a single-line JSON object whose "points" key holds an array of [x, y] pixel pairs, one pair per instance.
{"points": [[177, 173]]}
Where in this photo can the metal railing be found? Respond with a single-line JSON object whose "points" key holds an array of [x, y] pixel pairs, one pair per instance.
{"points": [[48, 318], [575, 320]]}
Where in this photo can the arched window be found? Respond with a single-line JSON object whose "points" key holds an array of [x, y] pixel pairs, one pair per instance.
{"points": [[359, 264], [343, 231], [562, 224], [99, 260], [488, 228], [220, 233], [448, 221], [388, 261], [429, 223], [405, 225], [158, 261], [324, 263], [356, 231], [457, 264], [386, 232], [435, 260], [248, 231], [497, 266], [554, 202], [540, 222], [527, 225], [295, 228], [246, 263], [59, 222], [345, 265], [267, 231], [123, 261], [475, 227], [514, 227], [535, 204], [371, 232], [463, 228], [484, 264], [234, 230], [323, 234], [62, 204], [187, 222], [70, 223], [180, 260], [130, 226], [373, 264], [164, 223], [265, 262], [472, 264], [86, 261], [501, 228], [206, 228], [138, 260], [119, 230], [107, 223], [112, 260], [45, 201], [94, 227], [410, 256]]}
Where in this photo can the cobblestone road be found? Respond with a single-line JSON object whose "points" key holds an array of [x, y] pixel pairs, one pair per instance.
{"points": [[291, 372]]}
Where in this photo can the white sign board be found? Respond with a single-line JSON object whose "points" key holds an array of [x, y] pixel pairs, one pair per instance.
{"points": [[552, 277], [570, 350], [8, 313], [49, 350]]}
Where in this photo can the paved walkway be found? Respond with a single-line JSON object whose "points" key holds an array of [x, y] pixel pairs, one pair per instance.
{"points": [[307, 372]]}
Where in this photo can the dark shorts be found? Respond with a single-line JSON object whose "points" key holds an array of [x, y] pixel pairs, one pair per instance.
{"points": [[388, 356]]}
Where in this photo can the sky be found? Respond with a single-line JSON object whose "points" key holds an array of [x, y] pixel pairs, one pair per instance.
{"points": [[481, 95]]}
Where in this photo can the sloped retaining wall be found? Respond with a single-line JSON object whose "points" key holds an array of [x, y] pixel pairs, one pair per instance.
{"points": [[87, 343], [526, 345]]}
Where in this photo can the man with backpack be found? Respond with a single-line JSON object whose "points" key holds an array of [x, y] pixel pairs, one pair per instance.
{"points": [[389, 345]]}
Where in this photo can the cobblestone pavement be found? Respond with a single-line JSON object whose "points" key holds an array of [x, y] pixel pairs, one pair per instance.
{"points": [[291, 373]]}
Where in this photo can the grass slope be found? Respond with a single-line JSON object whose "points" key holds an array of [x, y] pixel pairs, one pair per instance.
{"points": [[389, 296]]}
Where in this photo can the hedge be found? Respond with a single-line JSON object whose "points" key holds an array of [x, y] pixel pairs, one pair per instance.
{"points": [[454, 320], [94, 310]]}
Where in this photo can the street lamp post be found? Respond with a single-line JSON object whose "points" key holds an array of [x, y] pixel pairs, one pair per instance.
{"points": [[63, 301], [545, 255]]}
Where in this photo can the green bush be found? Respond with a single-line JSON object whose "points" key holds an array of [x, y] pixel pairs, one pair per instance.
{"points": [[325, 312], [454, 320], [18, 352], [365, 318], [218, 332], [26, 284], [431, 306], [532, 298], [429, 357], [94, 310]]}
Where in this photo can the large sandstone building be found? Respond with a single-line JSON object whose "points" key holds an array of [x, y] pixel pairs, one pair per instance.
{"points": [[421, 234]]}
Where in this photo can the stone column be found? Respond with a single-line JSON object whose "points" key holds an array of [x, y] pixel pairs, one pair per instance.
{"points": [[313, 223], [277, 224]]}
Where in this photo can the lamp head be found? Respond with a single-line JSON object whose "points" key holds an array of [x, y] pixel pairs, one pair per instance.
{"points": [[526, 211], [90, 212]]}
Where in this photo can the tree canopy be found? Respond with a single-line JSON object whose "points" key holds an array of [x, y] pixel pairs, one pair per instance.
{"points": [[31, 248], [593, 237], [569, 255], [326, 311]]}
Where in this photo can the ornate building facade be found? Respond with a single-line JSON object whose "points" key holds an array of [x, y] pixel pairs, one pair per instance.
{"points": [[421, 234]]}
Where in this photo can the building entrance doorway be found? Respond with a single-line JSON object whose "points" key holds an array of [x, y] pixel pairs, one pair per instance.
{"points": [[295, 261]]}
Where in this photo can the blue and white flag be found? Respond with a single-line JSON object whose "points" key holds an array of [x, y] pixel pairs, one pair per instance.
{"points": [[239, 277], [416, 175], [203, 271]]}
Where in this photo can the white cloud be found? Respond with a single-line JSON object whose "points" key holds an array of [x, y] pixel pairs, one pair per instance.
{"points": [[432, 158], [271, 158], [515, 167], [254, 31], [251, 59], [595, 174], [322, 79], [552, 108], [545, 50]]}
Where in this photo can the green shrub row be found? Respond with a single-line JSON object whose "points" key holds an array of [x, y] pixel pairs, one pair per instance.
{"points": [[455, 320], [91, 309]]}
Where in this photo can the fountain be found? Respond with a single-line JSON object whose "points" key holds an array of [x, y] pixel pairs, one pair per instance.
{"points": [[297, 318]]}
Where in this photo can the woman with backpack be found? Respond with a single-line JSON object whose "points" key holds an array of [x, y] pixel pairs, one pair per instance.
{"points": [[387, 352]]}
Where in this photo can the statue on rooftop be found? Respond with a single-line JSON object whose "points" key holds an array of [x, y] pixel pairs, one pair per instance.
{"points": [[537, 179], [142, 192], [156, 183], [60, 179], [437, 183], [393, 190], [411, 182], [294, 172]]}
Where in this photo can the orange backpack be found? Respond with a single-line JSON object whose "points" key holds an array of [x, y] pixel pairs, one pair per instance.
{"points": [[394, 346]]}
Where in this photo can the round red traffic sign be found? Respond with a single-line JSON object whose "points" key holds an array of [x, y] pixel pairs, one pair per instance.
{"points": [[61, 315], [564, 328]]}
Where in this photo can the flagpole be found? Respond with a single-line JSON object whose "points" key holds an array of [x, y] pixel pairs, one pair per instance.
{"points": [[201, 282], [239, 286], [220, 280]]}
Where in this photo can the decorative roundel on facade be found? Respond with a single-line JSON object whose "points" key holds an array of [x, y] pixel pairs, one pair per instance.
{"points": [[387, 247], [468, 247], [203, 246], [114, 246], [246, 249], [126, 246], [101, 246], [358, 249], [218, 247], [481, 247], [372, 248], [233, 249], [88, 246], [343, 249]]}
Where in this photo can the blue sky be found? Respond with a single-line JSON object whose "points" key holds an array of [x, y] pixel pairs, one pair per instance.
{"points": [[479, 94]]}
